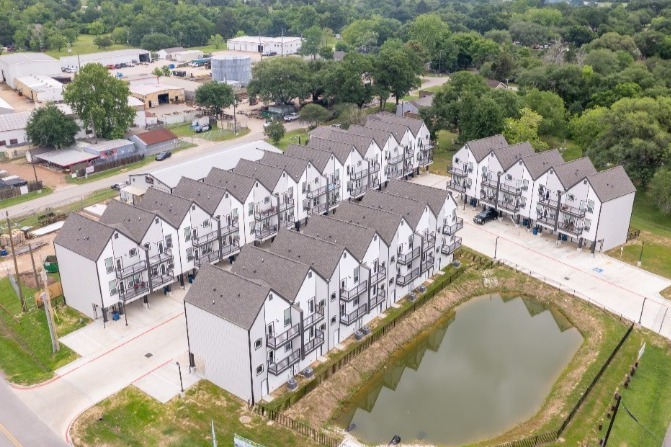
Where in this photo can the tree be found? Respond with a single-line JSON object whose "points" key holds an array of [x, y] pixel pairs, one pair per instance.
{"points": [[49, 127], [616, 42], [550, 106], [215, 97], [312, 40], [216, 41], [525, 129], [120, 35], [350, 114], [275, 131], [314, 114], [349, 81], [660, 190], [102, 41], [586, 128], [161, 71], [156, 41], [479, 117], [396, 69], [280, 79], [428, 30], [100, 101], [326, 52]]}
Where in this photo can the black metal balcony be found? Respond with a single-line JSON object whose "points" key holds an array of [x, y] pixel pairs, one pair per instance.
{"points": [[265, 232], [206, 258], [448, 249], [322, 208], [429, 241], [356, 175], [570, 228], [314, 318], [284, 364], [200, 240], [377, 277], [230, 249], [404, 280], [458, 172], [357, 192], [312, 193], [512, 207], [160, 258], [374, 167], [488, 199], [547, 202], [406, 258], [139, 289], [378, 298], [131, 270], [357, 290], [456, 185], [488, 182], [283, 338], [313, 344], [573, 211], [350, 318], [286, 204], [162, 279], [546, 221], [427, 264], [449, 230], [509, 189], [260, 214], [425, 157], [409, 151]]}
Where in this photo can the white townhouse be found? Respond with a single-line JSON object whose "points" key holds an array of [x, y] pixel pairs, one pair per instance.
{"points": [[315, 193], [371, 252], [466, 171], [423, 148], [193, 224], [321, 200], [365, 145], [354, 176], [406, 139], [260, 218], [337, 265], [444, 207], [225, 210], [276, 180], [390, 150], [498, 189]]}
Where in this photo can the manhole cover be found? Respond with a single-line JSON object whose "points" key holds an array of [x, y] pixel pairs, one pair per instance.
{"points": [[149, 354]]}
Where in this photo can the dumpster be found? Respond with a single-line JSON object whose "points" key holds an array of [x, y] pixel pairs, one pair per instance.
{"points": [[51, 264]]}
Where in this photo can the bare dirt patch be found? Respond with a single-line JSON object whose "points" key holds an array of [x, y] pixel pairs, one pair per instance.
{"points": [[23, 169]]}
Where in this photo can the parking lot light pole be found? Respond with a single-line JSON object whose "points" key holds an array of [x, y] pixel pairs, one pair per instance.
{"points": [[181, 383], [496, 246]]}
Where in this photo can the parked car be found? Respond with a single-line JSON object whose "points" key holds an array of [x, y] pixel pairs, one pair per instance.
{"points": [[118, 186], [485, 216], [291, 117], [163, 155], [201, 128]]}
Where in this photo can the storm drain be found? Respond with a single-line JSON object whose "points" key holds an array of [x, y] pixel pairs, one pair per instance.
{"points": [[149, 354]]}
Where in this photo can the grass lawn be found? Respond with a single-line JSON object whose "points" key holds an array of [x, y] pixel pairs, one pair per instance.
{"points": [[25, 197], [25, 345], [96, 197], [648, 218], [216, 134], [131, 418], [208, 48], [83, 45], [291, 137], [443, 152]]}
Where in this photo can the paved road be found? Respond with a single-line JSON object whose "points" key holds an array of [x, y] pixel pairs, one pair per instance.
{"points": [[19, 426]]}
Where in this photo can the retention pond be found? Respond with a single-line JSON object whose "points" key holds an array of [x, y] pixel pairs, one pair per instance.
{"points": [[475, 375]]}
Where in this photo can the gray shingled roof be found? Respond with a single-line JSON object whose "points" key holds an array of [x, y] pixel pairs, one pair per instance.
{"points": [[295, 166], [317, 157], [611, 184], [267, 175], [355, 238], [283, 274], [572, 172], [434, 197], [171, 208], [132, 221], [84, 236], [509, 155], [398, 130], [380, 136], [385, 223], [237, 184], [410, 210], [236, 299], [360, 142], [208, 197], [540, 162], [414, 124], [340, 150], [320, 255], [482, 147]]}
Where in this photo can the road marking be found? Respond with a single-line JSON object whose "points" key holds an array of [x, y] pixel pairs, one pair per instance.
{"points": [[9, 436]]}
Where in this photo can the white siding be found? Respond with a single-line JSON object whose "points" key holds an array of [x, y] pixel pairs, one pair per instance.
{"points": [[613, 222], [79, 278]]}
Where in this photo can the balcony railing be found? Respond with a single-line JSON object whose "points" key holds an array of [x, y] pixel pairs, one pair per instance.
{"points": [[409, 151], [131, 270], [404, 280], [359, 174], [349, 294], [286, 204], [313, 344], [160, 280], [570, 228], [429, 241], [510, 189], [230, 249], [374, 167], [312, 193], [456, 185], [547, 221], [378, 298], [377, 277], [448, 249], [139, 289], [488, 199], [457, 171], [425, 159], [512, 207], [282, 339], [314, 318], [572, 210], [395, 159], [357, 192], [207, 258], [547, 202], [227, 229], [201, 240], [406, 258], [265, 232], [449, 230], [284, 364], [321, 208], [350, 318], [264, 214], [426, 264], [408, 168]]}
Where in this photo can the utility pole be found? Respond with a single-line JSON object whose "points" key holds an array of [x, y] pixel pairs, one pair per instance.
{"points": [[46, 301], [16, 265], [32, 260]]}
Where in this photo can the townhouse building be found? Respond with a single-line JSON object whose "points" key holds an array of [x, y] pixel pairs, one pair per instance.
{"points": [[406, 139], [423, 148], [354, 176], [390, 150]]}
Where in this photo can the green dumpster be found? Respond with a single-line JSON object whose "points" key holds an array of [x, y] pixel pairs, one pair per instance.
{"points": [[51, 264]]}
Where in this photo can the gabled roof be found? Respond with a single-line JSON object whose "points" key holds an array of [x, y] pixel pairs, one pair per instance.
{"points": [[384, 222], [434, 197], [317, 157], [611, 184], [340, 150], [208, 197], [84, 236], [171, 208], [414, 124], [379, 135], [410, 210], [173, 50], [509, 155], [156, 136], [540, 162], [361, 143], [572, 172], [295, 166], [229, 296], [237, 184], [425, 101], [283, 274], [321, 255], [398, 130], [129, 220], [267, 175], [14, 121], [355, 238], [482, 147]]}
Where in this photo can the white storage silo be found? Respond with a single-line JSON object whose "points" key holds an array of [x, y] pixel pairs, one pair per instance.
{"points": [[232, 68]]}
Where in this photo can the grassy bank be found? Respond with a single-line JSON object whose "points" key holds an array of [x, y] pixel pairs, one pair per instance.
{"points": [[25, 345], [297, 136], [83, 45], [25, 197], [215, 134], [443, 152]]}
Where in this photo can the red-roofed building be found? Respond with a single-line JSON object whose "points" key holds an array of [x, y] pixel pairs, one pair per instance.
{"points": [[155, 141]]}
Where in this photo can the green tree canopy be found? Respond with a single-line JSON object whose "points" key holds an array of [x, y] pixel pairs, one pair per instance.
{"points": [[217, 41], [660, 190], [347, 82], [551, 107], [215, 97], [156, 41], [525, 129], [281, 79], [312, 41], [275, 131], [314, 114], [396, 69], [49, 127]]}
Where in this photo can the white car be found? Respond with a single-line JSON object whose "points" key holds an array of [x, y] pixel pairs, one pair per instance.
{"points": [[291, 117]]}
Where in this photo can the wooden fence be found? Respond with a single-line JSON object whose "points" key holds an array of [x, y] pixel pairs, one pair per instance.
{"points": [[299, 427], [55, 290]]}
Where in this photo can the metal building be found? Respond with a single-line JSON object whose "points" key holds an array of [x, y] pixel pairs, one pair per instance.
{"points": [[232, 68]]}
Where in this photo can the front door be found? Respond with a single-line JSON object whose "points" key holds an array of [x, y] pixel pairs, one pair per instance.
{"points": [[119, 264], [160, 247]]}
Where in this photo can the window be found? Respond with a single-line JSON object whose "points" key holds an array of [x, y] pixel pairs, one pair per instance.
{"points": [[333, 296], [588, 224], [304, 186], [287, 347], [259, 370], [311, 305], [316, 180], [146, 245], [3, 143], [116, 235], [187, 233], [590, 206], [109, 265], [251, 229], [287, 317], [356, 302], [132, 252], [112, 286], [206, 223], [357, 271], [310, 274], [571, 197], [13, 141], [258, 343], [333, 321], [267, 199], [168, 241], [189, 253], [250, 209]]}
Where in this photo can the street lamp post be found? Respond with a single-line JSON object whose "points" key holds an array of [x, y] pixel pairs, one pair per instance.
{"points": [[640, 256], [181, 383], [496, 246]]}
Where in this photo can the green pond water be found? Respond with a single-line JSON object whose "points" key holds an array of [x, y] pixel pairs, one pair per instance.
{"points": [[475, 375]]}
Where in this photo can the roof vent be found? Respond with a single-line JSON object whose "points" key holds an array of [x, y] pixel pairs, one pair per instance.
{"points": [[213, 302]]}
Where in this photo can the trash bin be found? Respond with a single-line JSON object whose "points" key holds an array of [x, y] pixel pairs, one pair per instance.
{"points": [[115, 316], [564, 237], [190, 279], [535, 231], [525, 222]]}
